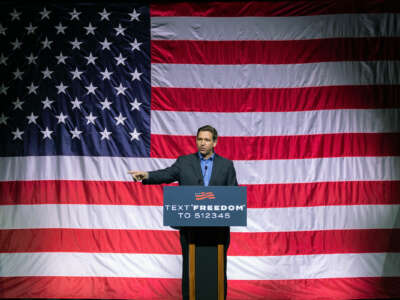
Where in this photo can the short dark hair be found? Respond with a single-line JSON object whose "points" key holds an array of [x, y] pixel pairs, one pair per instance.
{"points": [[210, 129]]}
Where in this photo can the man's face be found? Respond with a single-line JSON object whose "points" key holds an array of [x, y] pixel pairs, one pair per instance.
{"points": [[205, 143]]}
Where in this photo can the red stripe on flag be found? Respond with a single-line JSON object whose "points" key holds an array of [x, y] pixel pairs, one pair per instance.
{"points": [[275, 100], [274, 52], [284, 147], [264, 9], [84, 192], [329, 288], [167, 242], [90, 288], [90, 240], [314, 242], [258, 196], [323, 193], [170, 289]]}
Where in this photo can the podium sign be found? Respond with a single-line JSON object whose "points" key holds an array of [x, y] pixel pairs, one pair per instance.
{"points": [[205, 206]]}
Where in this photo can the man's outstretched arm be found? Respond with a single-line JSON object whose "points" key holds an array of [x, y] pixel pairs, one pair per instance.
{"points": [[166, 175], [139, 175]]}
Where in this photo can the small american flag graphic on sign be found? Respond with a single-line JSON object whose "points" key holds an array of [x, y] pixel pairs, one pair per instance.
{"points": [[204, 195]]}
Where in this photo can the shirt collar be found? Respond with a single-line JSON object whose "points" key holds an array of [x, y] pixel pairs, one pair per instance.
{"points": [[202, 158]]}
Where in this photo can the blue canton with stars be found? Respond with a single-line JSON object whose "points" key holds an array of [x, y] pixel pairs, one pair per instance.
{"points": [[74, 79]]}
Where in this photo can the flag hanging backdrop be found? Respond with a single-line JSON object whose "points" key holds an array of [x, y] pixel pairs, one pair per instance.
{"points": [[305, 96]]}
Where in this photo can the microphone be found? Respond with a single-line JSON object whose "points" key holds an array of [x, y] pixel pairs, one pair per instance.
{"points": [[204, 175], [205, 171]]}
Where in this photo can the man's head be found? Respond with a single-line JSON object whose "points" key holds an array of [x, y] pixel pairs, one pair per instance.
{"points": [[206, 140]]}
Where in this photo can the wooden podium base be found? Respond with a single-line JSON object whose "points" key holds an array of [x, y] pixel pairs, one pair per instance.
{"points": [[192, 273], [221, 273]]}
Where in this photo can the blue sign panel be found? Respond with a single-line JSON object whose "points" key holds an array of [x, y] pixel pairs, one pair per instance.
{"points": [[205, 206]]}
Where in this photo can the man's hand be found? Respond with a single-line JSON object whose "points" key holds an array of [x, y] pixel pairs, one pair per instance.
{"points": [[139, 175]]}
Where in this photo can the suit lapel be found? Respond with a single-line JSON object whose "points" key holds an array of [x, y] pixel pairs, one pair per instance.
{"points": [[215, 169], [196, 166]]}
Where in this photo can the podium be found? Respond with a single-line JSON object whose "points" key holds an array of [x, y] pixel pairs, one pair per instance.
{"points": [[204, 214]]}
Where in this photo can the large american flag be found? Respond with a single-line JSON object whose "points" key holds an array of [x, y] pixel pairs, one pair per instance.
{"points": [[305, 96]]}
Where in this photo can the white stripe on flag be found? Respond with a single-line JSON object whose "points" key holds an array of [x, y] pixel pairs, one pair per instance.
{"points": [[248, 171], [275, 76], [90, 264], [150, 217], [275, 28], [318, 170], [76, 167], [313, 266], [168, 266], [278, 123], [320, 218]]}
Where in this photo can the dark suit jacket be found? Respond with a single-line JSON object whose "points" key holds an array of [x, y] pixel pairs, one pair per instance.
{"points": [[187, 171]]}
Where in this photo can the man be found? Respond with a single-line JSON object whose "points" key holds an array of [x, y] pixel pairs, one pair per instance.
{"points": [[204, 167]]}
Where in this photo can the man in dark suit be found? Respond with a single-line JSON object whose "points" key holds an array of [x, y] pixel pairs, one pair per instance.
{"points": [[204, 167]]}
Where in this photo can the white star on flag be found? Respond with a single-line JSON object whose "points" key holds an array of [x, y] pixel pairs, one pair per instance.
{"points": [[45, 13], [90, 59], [90, 119], [18, 104], [60, 28], [18, 74], [74, 14], [106, 74], [135, 135], [91, 89], [3, 119], [120, 89], [134, 15], [76, 74], [120, 60], [3, 30], [3, 89], [46, 43], [136, 75], [31, 29], [17, 44], [135, 104], [61, 58], [31, 59], [90, 29], [61, 88], [3, 59], [76, 103], [47, 73], [76, 44], [17, 134], [135, 45], [104, 15], [106, 44], [105, 104], [32, 88], [32, 118], [120, 30], [120, 119], [76, 133], [15, 15], [61, 118], [46, 133], [105, 134], [47, 103]]}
